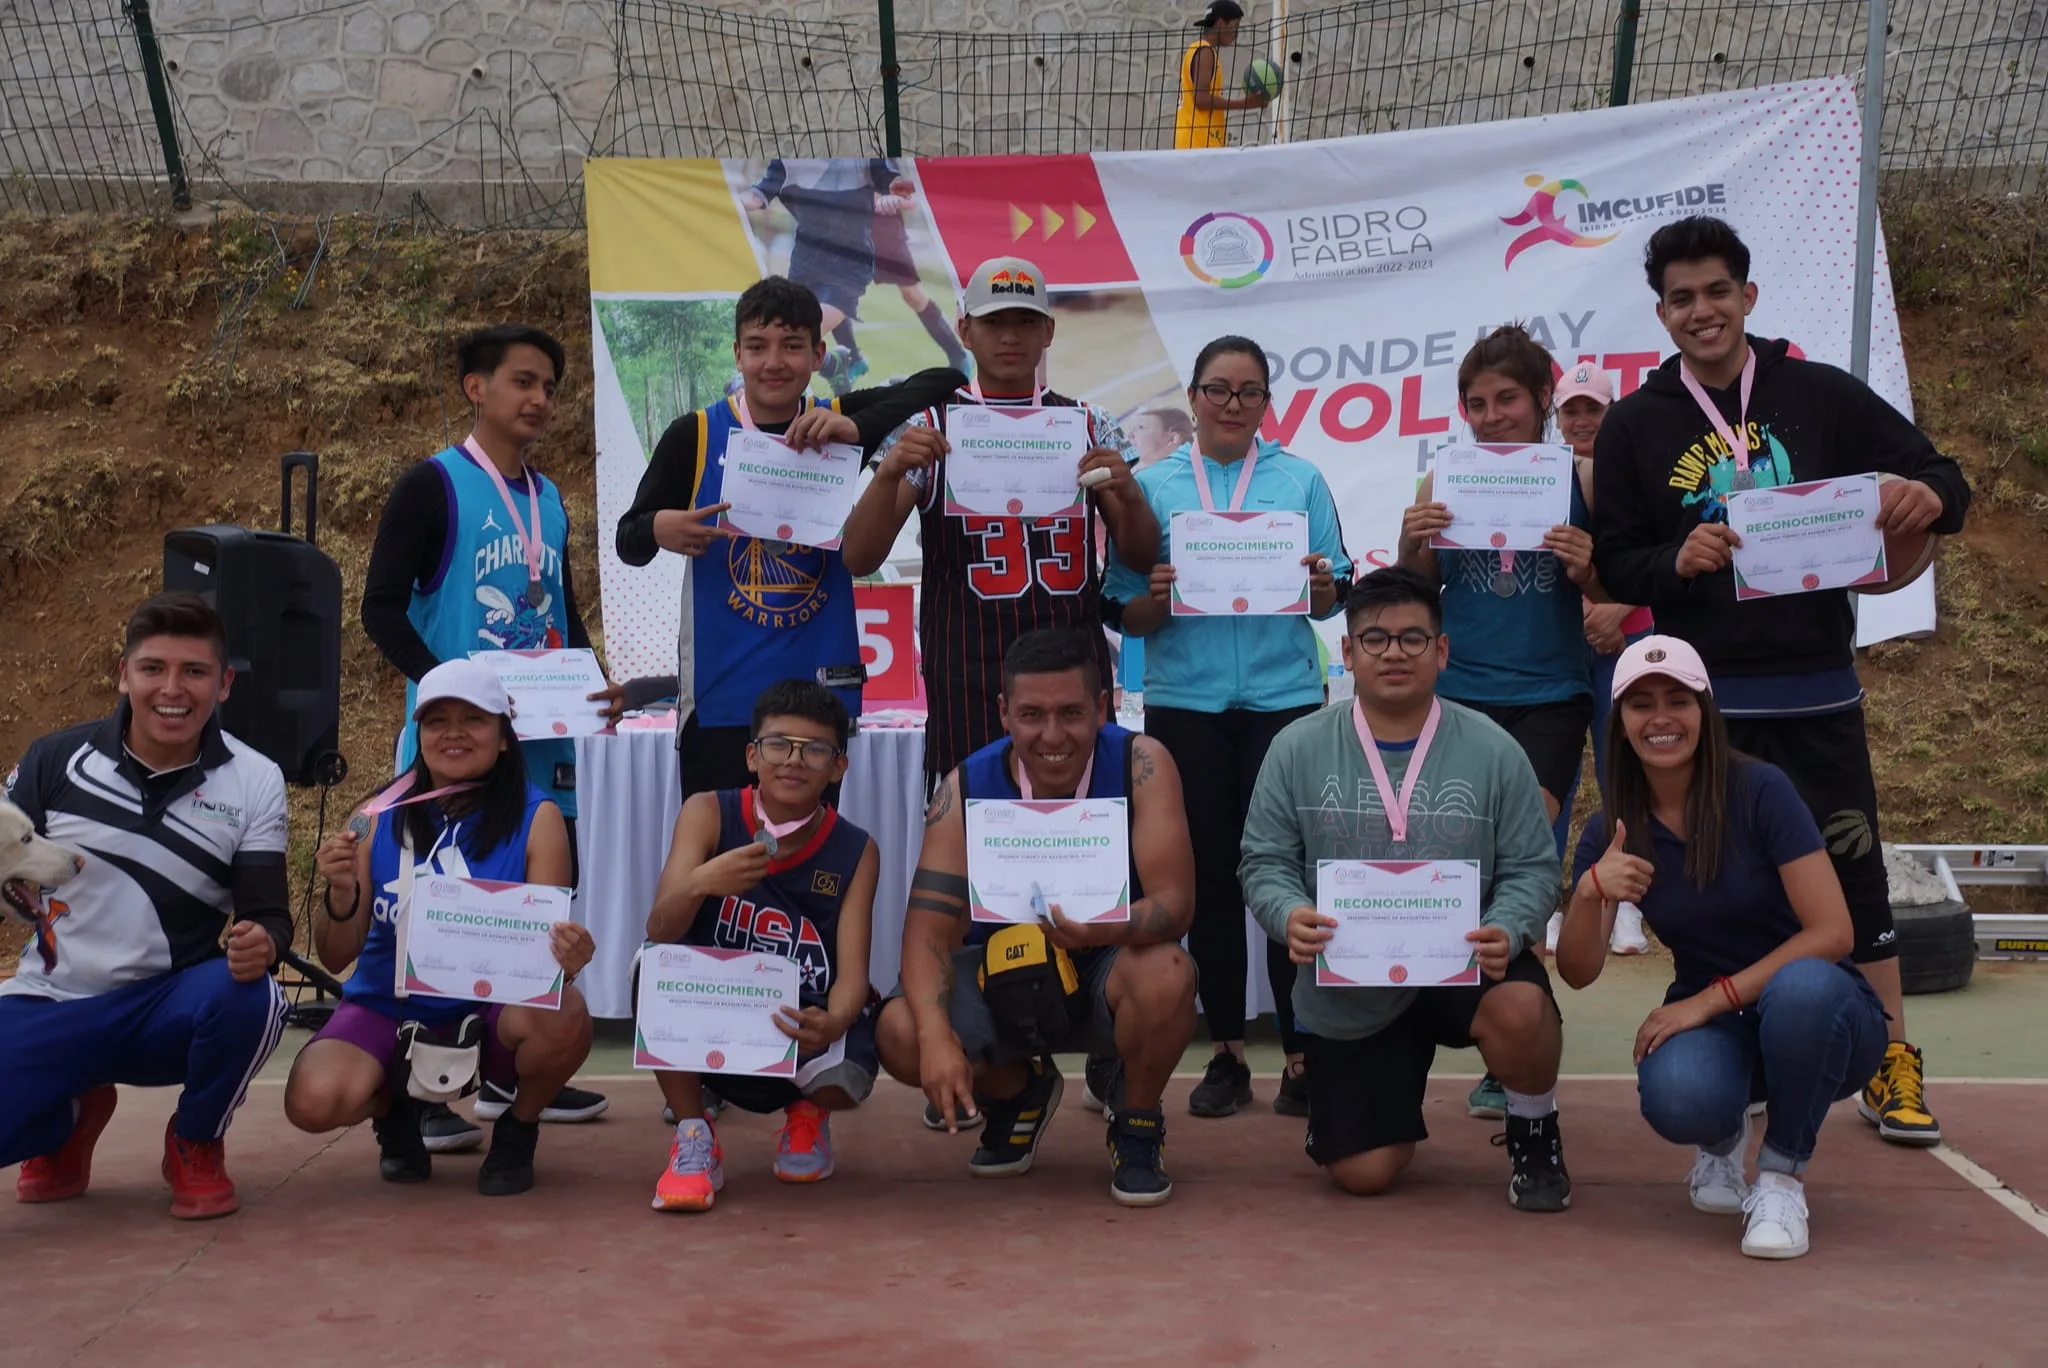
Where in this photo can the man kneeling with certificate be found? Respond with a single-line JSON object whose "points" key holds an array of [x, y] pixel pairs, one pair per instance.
{"points": [[1399, 848], [997, 975]]}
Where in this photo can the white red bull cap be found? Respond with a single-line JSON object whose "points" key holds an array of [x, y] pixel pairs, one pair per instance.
{"points": [[1005, 283]]}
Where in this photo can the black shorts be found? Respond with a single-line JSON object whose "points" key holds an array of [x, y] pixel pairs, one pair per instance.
{"points": [[714, 758], [1367, 1094], [972, 1021], [1827, 758], [893, 263], [1552, 735]]}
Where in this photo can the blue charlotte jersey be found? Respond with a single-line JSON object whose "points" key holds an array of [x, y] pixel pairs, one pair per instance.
{"points": [[755, 611], [477, 600], [986, 774], [794, 909], [373, 984]]}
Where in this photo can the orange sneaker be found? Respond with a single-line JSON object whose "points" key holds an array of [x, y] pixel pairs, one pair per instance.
{"points": [[66, 1172], [696, 1169], [197, 1173], [803, 1152]]}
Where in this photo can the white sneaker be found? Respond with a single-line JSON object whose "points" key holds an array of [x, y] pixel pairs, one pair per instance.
{"points": [[1550, 933], [1716, 1183], [1628, 937], [1776, 1208]]}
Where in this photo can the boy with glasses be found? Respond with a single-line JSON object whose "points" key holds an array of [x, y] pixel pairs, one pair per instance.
{"points": [[1404, 775], [772, 869]]}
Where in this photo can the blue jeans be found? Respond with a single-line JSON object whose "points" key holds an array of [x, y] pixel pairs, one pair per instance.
{"points": [[1815, 1037], [194, 1026]]}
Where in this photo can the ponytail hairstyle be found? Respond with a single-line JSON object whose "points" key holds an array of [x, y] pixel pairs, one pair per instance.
{"points": [[1510, 352]]}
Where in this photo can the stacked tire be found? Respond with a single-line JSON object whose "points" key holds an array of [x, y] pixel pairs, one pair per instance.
{"points": [[1937, 937]]}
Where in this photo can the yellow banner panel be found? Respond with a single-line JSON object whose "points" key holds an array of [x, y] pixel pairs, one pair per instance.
{"points": [[664, 225]]}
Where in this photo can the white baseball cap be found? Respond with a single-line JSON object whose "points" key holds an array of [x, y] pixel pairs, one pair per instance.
{"points": [[1585, 380], [1005, 283], [1661, 655], [470, 681]]}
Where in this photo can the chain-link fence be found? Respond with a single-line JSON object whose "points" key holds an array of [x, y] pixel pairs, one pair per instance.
{"points": [[91, 116]]}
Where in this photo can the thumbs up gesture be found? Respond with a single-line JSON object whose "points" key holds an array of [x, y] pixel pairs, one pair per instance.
{"points": [[1620, 876]]}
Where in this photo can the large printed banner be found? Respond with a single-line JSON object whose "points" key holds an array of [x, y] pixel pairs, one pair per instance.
{"points": [[1364, 266]]}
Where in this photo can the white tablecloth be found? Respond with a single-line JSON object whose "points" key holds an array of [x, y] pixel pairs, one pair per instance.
{"points": [[628, 792]]}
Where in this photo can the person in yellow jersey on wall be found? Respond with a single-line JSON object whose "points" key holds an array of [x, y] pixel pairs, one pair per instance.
{"points": [[1199, 121]]}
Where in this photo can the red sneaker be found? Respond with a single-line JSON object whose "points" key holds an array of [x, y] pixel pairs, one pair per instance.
{"points": [[62, 1175], [197, 1173]]}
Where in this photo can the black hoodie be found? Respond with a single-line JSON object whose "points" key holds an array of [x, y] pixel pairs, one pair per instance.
{"points": [[1660, 469]]}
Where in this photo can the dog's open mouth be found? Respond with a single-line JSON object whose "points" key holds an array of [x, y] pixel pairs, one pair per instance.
{"points": [[24, 899]]}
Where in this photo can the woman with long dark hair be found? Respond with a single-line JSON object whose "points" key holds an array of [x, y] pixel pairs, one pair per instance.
{"points": [[1730, 871], [468, 811], [1218, 688]]}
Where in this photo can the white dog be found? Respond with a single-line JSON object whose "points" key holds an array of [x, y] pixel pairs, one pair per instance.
{"points": [[28, 865]]}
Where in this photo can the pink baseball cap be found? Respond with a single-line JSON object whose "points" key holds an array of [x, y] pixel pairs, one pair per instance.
{"points": [[1661, 655], [1587, 380]]}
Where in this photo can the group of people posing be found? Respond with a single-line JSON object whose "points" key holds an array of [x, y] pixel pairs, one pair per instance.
{"points": [[1727, 737]]}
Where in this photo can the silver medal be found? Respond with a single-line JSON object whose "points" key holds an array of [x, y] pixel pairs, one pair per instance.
{"points": [[1504, 583], [1744, 478], [535, 595], [359, 826], [766, 840]]}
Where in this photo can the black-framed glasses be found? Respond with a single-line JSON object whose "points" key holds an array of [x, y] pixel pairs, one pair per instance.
{"points": [[1220, 394], [777, 750], [1374, 642]]}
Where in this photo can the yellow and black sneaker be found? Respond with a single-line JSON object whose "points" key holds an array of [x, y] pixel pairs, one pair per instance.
{"points": [[1895, 1100], [1137, 1158]]}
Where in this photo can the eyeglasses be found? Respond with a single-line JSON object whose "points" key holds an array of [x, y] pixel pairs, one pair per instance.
{"points": [[777, 750], [1220, 394], [1374, 642]]}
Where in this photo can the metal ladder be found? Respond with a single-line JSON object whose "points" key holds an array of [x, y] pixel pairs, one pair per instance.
{"points": [[2000, 935]]}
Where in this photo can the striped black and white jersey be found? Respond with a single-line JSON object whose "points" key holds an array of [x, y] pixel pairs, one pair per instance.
{"points": [[989, 580], [168, 856]]}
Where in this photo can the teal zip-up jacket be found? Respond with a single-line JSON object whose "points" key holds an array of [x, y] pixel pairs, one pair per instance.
{"points": [[1213, 664]]}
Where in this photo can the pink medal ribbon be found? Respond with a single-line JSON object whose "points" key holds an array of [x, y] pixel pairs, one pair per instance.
{"points": [[770, 834], [1244, 477], [529, 535], [1738, 442], [974, 388], [1396, 804], [394, 797], [739, 406], [1080, 789]]}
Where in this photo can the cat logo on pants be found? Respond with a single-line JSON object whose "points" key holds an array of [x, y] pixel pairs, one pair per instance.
{"points": [[1848, 834]]}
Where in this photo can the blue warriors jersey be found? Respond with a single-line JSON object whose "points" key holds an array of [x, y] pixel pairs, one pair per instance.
{"points": [[477, 600], [794, 909], [756, 611]]}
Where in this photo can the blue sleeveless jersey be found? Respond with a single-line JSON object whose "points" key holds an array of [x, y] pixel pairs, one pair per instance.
{"points": [[755, 612], [794, 910], [986, 774], [377, 967], [477, 599]]}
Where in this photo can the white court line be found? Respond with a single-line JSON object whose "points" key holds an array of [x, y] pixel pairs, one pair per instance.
{"points": [[1992, 1186]]}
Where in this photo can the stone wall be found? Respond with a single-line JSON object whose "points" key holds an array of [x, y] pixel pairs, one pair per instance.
{"points": [[332, 103]]}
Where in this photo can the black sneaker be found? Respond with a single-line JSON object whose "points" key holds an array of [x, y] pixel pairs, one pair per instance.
{"points": [[1137, 1158], [1537, 1151], [1226, 1085], [1292, 1099], [1102, 1085], [1010, 1139], [568, 1105], [962, 1120], [508, 1169], [401, 1152], [444, 1131]]}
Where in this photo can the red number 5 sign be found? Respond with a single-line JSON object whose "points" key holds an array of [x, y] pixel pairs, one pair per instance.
{"points": [[887, 618]]}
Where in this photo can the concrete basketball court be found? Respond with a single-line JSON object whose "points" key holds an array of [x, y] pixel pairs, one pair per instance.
{"points": [[1919, 1256]]}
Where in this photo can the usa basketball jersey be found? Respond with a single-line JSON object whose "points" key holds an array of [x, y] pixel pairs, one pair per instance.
{"points": [[794, 909], [989, 580], [986, 774], [756, 611]]}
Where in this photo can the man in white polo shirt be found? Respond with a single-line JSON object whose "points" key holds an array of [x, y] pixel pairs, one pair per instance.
{"points": [[151, 967]]}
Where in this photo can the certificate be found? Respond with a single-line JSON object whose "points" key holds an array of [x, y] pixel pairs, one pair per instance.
{"points": [[1802, 537], [713, 1011], [475, 940], [1400, 923], [1244, 564], [550, 691], [1015, 462], [1502, 498], [1073, 851], [800, 497]]}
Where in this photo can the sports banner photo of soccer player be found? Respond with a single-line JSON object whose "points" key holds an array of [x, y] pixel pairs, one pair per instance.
{"points": [[1364, 267]]}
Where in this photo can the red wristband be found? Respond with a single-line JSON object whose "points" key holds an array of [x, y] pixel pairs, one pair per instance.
{"points": [[1593, 872], [1727, 987]]}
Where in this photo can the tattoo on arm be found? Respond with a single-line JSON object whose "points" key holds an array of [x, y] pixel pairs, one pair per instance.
{"points": [[942, 803], [1150, 921], [944, 894], [1142, 766], [942, 996]]}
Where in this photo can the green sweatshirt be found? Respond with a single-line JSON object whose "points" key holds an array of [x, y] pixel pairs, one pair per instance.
{"points": [[1315, 800]]}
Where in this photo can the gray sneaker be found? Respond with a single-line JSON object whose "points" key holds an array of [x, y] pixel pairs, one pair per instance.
{"points": [[445, 1132]]}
